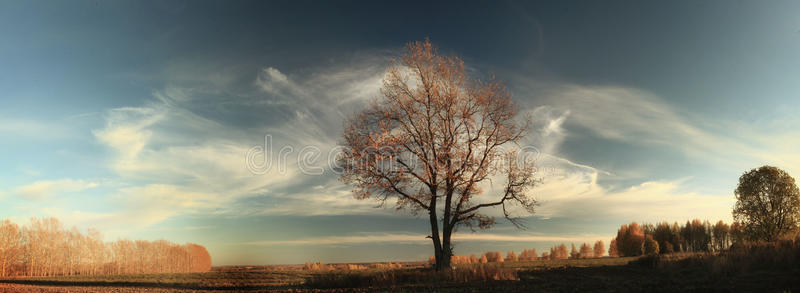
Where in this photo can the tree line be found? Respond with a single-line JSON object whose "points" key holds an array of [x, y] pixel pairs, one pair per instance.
{"points": [[694, 236], [767, 209], [44, 247], [556, 252]]}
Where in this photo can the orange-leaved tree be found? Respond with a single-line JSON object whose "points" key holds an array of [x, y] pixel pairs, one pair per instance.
{"points": [[586, 251], [630, 239], [599, 248], [432, 142]]}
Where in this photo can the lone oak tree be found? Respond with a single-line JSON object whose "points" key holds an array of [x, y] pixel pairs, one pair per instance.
{"points": [[433, 139], [767, 203]]}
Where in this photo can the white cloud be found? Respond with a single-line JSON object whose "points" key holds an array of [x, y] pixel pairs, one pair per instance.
{"points": [[575, 193], [174, 158], [40, 190], [640, 117]]}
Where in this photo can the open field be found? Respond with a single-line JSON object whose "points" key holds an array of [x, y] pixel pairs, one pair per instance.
{"points": [[604, 274]]}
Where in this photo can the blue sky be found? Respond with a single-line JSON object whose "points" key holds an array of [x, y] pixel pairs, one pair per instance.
{"points": [[135, 118]]}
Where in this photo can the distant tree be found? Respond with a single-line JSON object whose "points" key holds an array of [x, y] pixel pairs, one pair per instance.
{"points": [[667, 248], [677, 239], [573, 253], [484, 259], [533, 255], [498, 257], [599, 248], [545, 255], [494, 256], [630, 239], [586, 251], [512, 256], [10, 245], [648, 228], [459, 259], [562, 251], [472, 258], [697, 235], [44, 247], [433, 140], [721, 236], [663, 235], [612, 248], [529, 254], [737, 233], [767, 203], [650, 245]]}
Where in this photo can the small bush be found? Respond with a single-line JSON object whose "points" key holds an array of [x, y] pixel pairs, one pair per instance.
{"points": [[740, 258]]}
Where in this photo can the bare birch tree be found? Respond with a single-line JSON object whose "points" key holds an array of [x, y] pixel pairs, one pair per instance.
{"points": [[433, 140]]}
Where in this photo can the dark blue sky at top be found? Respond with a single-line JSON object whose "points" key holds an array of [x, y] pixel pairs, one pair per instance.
{"points": [[682, 48]]}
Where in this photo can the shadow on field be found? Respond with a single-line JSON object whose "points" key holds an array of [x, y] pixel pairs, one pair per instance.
{"points": [[638, 278], [143, 285]]}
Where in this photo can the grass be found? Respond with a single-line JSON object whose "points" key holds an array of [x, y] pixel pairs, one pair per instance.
{"points": [[768, 269], [214, 280], [463, 274]]}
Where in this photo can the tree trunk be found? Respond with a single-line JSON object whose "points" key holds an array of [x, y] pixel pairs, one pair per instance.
{"points": [[437, 244], [447, 248]]}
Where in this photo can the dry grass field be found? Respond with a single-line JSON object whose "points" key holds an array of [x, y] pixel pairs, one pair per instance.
{"points": [[627, 274]]}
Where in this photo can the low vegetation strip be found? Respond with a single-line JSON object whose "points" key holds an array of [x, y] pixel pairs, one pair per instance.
{"points": [[483, 273], [673, 272]]}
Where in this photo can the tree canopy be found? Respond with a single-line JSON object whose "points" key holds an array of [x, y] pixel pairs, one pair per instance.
{"points": [[433, 140], [767, 203]]}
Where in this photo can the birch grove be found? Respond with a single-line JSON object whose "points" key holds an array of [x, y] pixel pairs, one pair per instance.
{"points": [[45, 248]]}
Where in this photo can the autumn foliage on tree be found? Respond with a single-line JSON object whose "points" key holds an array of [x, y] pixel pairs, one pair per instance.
{"points": [[650, 246], [694, 236], [599, 248], [494, 256], [573, 253], [45, 248], [629, 240], [528, 254], [721, 236], [586, 251], [612, 248], [559, 252], [511, 256], [431, 142], [459, 259], [546, 255]]}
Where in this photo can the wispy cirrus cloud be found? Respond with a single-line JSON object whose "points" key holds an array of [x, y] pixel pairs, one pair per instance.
{"points": [[44, 189], [176, 157], [639, 117]]}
